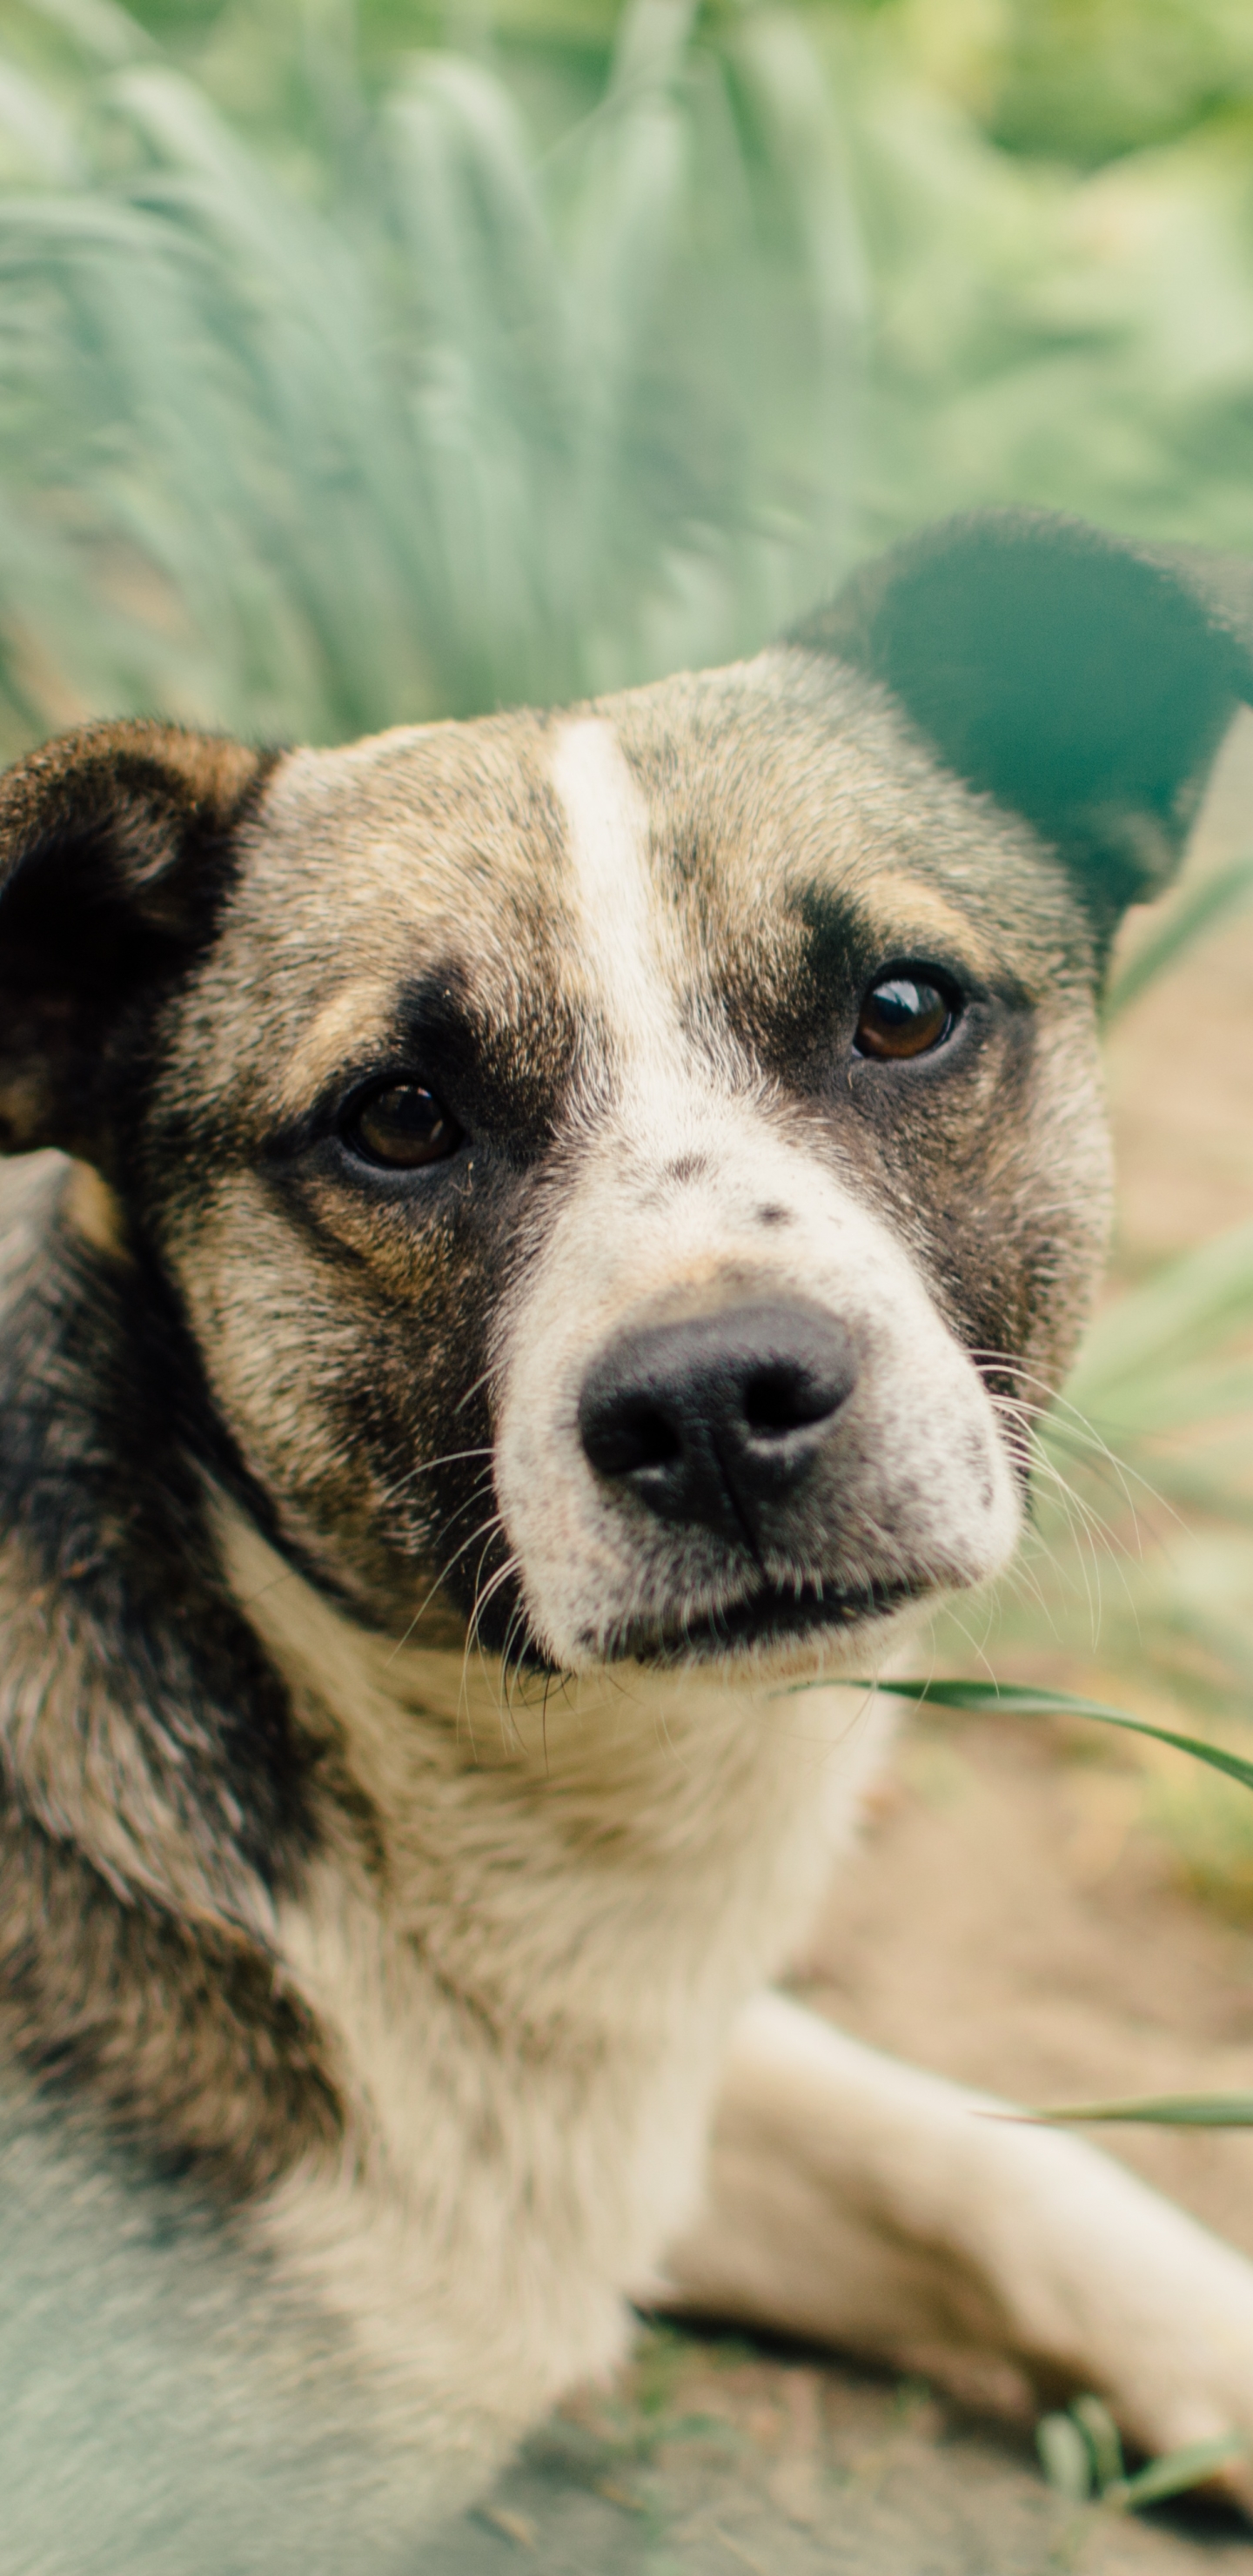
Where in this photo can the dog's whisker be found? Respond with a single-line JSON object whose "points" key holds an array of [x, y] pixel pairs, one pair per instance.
{"points": [[484, 1595], [475, 1388], [480, 1486], [427, 1467], [482, 1602], [484, 1527], [1067, 1422]]}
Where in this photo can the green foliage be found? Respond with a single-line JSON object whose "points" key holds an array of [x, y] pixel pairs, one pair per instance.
{"points": [[1013, 1699], [1083, 341], [357, 371], [362, 369], [1164, 2111], [455, 423], [1195, 912], [1086, 80], [1081, 2455]]}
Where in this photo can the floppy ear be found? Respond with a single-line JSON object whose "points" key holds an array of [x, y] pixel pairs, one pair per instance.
{"points": [[1083, 679], [114, 856]]}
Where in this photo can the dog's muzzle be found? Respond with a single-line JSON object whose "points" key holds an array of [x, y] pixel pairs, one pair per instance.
{"points": [[717, 1422]]}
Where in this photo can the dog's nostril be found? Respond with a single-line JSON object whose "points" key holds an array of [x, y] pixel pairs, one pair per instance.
{"points": [[782, 1398], [621, 1438]]}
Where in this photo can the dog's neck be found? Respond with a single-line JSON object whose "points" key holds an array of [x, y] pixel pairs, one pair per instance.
{"points": [[682, 1821]]}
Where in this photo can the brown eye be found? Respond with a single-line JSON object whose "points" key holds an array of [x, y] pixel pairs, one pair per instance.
{"points": [[403, 1127], [904, 1016]]}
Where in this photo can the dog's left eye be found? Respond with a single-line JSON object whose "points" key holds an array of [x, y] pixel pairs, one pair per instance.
{"points": [[402, 1127], [903, 1016]]}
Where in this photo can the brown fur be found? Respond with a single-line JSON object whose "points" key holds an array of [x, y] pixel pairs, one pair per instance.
{"points": [[350, 1880]]}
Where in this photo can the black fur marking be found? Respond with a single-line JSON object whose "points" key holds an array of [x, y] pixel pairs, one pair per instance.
{"points": [[792, 996], [905, 1134], [179, 2039], [105, 1416], [117, 849], [506, 1074]]}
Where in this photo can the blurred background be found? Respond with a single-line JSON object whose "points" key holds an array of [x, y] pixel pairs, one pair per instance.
{"points": [[365, 364], [362, 363]]}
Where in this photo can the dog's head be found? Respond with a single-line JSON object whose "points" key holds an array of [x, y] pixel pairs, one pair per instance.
{"points": [[621, 1171]]}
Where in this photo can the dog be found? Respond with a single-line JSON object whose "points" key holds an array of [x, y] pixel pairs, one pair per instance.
{"points": [[522, 1243]]}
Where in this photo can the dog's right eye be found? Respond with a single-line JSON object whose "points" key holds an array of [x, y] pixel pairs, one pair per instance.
{"points": [[402, 1127], [904, 1016]]}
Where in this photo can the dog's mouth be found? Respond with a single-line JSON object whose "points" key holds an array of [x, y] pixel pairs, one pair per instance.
{"points": [[772, 1614]]}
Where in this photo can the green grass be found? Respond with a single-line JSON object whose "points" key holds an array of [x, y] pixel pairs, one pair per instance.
{"points": [[437, 420], [1081, 2455], [355, 368]]}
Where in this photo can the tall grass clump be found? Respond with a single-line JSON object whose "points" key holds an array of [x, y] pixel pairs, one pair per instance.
{"points": [[346, 375], [423, 418]]}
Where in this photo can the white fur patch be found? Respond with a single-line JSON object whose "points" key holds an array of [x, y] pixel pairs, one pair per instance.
{"points": [[607, 847]]}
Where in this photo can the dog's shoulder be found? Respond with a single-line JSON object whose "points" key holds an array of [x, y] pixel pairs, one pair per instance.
{"points": [[153, 1789]]}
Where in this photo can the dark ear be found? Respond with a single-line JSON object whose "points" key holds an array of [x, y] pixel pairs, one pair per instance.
{"points": [[114, 856], [1083, 679]]}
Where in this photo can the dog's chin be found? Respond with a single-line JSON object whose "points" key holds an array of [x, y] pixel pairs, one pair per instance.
{"points": [[782, 1626]]}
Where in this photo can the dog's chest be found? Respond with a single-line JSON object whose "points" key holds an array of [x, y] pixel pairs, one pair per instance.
{"points": [[527, 1986]]}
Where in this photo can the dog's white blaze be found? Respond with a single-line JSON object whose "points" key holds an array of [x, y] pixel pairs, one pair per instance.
{"points": [[607, 848]]}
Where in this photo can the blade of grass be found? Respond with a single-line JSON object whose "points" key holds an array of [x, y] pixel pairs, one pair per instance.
{"points": [[1081, 2456], [1159, 2111], [1065, 2457], [1199, 909], [1102, 2436], [1178, 2111], [1180, 1314], [1176, 2471], [1012, 1699]]}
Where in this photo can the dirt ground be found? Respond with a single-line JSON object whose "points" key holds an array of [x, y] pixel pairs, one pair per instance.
{"points": [[1006, 1922]]}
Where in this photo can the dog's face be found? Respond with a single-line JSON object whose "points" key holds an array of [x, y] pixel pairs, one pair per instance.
{"points": [[623, 1172], [595, 1149]]}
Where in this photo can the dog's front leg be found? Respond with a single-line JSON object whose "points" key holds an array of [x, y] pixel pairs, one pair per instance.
{"points": [[857, 2202]]}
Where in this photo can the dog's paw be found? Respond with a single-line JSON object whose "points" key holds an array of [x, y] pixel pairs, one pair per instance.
{"points": [[864, 2204], [1112, 2289]]}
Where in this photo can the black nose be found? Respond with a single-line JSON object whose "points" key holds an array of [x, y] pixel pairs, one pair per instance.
{"points": [[715, 1420]]}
